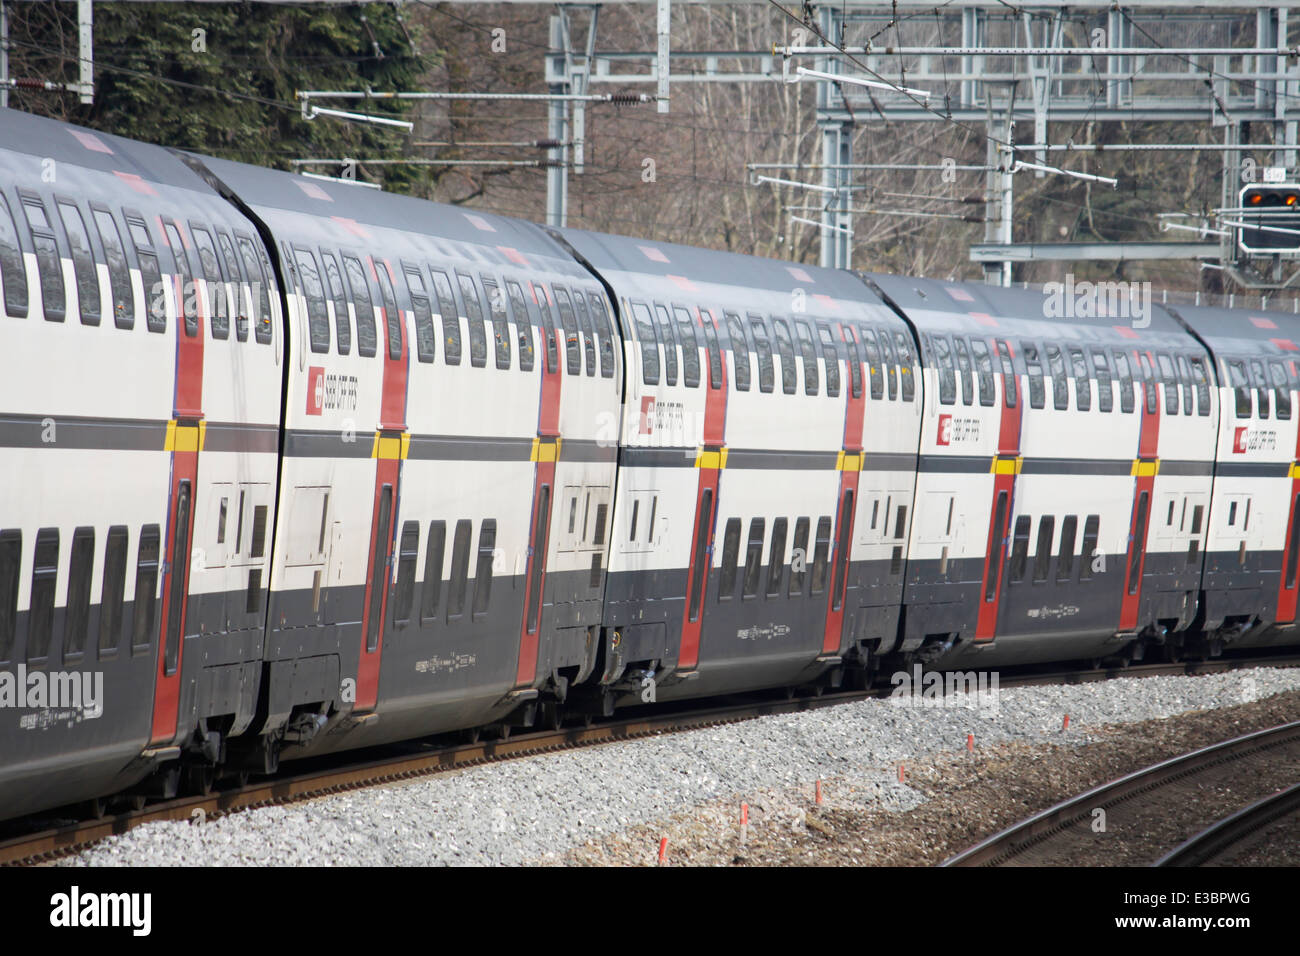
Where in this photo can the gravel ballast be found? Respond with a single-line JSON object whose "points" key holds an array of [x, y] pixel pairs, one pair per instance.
{"points": [[582, 806]]}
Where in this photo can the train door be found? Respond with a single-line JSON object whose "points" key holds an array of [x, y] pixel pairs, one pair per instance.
{"points": [[331, 588]]}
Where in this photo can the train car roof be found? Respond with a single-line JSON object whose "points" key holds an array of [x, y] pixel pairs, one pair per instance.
{"points": [[1260, 331], [498, 239], [135, 167], [670, 271], [1058, 310]]}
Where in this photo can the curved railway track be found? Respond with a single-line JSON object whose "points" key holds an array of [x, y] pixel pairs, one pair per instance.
{"points": [[1066, 833], [1218, 840], [45, 843]]}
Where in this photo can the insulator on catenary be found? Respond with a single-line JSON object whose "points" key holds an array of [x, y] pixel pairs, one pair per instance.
{"points": [[625, 99], [548, 143], [551, 163]]}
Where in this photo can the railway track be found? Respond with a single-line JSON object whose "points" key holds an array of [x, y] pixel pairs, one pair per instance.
{"points": [[46, 843], [1147, 802]]}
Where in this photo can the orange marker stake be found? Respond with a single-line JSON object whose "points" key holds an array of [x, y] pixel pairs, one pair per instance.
{"points": [[819, 791], [970, 743], [663, 850], [1066, 725], [744, 814], [900, 773]]}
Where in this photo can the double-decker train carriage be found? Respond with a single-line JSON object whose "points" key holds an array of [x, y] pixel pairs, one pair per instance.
{"points": [[765, 479], [1251, 543], [142, 359], [289, 466], [1053, 453], [447, 375]]}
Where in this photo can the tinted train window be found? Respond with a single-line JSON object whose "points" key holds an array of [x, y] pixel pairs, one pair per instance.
{"points": [[964, 368], [487, 543], [1105, 397], [1065, 556], [459, 568], [525, 319], [855, 363], [664, 326], [572, 347], [709, 324], [1202, 386], [119, 272], [753, 558], [1185, 380], [114, 590], [1082, 380], [763, 346], [811, 383], [13, 272], [45, 573], [905, 365], [548, 330], [1148, 382], [800, 552], [1090, 530], [474, 314], [785, 347], [393, 321], [947, 375], [432, 587], [263, 331], [1281, 390], [342, 324], [1237, 379], [318, 320], [189, 290], [1019, 548], [448, 317], [500, 323], [218, 308], [425, 338], [1060, 383], [690, 347], [604, 332], [1009, 387], [408, 553], [233, 274], [588, 340], [11, 554], [984, 371], [645, 333], [1125, 377], [146, 587], [820, 553], [261, 287], [367, 334], [1034, 368], [889, 364], [83, 262], [1170, 379], [739, 350], [80, 571], [48, 264], [832, 360], [1261, 386], [730, 554], [776, 557], [872, 352]]}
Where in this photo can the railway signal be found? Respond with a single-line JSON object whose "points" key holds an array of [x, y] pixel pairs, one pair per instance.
{"points": [[1270, 218]]}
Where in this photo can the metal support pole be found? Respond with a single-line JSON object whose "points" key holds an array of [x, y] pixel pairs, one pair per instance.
{"points": [[837, 152], [86, 49], [662, 53], [4, 54], [559, 75]]}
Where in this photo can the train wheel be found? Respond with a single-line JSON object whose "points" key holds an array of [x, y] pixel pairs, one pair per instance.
{"points": [[551, 717]]}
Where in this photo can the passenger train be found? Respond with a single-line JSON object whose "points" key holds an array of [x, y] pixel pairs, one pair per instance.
{"points": [[289, 467]]}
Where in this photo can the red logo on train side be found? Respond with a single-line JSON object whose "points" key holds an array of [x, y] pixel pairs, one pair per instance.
{"points": [[315, 390], [945, 430], [646, 424], [1239, 441]]}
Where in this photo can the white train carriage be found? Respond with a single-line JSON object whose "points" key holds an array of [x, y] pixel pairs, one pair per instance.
{"points": [[448, 375], [1250, 578], [141, 377], [747, 425], [1042, 475]]}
